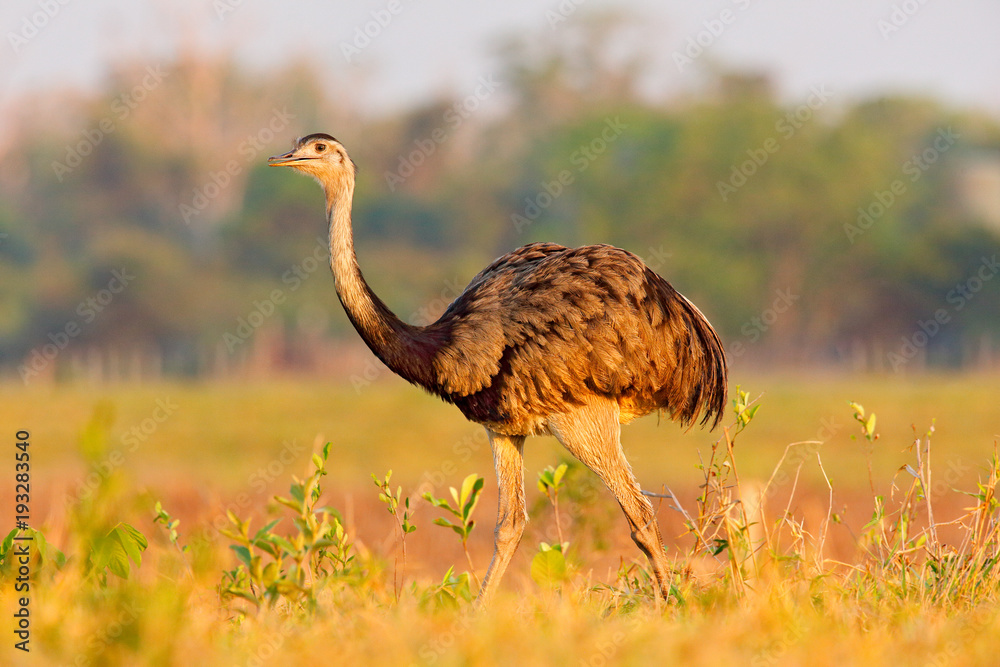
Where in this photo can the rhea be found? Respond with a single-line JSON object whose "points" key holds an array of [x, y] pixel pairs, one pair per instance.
{"points": [[571, 342]]}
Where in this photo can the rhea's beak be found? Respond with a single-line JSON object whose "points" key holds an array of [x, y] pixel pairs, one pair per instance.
{"points": [[286, 159]]}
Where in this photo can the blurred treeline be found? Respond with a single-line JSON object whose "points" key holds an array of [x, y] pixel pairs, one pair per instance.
{"points": [[170, 186]]}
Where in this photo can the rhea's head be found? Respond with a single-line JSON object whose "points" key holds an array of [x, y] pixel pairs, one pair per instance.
{"points": [[320, 156]]}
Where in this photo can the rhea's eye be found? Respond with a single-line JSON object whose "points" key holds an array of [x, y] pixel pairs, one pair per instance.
{"points": [[320, 148]]}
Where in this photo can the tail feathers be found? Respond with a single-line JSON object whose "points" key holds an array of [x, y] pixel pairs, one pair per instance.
{"points": [[705, 370]]}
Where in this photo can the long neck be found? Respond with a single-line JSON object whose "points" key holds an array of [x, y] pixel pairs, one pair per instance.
{"points": [[398, 344]]}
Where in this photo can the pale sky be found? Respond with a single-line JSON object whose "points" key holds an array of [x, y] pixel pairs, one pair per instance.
{"points": [[857, 48]]}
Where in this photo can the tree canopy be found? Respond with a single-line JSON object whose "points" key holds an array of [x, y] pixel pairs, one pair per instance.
{"points": [[822, 232]]}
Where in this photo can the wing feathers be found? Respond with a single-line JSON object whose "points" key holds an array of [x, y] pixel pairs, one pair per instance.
{"points": [[544, 326]]}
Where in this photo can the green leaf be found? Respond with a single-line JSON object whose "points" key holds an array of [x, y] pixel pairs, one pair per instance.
{"points": [[56, 556], [267, 548], [443, 522], [548, 479], [471, 488], [242, 553], [548, 568], [45, 550], [95, 435], [559, 474], [295, 505], [7, 542], [266, 529], [283, 543], [114, 551], [132, 540], [440, 503], [270, 574], [870, 425], [231, 535]]}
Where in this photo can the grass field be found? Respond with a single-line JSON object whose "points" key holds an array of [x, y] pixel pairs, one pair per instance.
{"points": [[853, 576]]}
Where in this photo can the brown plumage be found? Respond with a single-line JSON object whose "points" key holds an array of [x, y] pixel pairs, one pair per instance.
{"points": [[571, 342]]}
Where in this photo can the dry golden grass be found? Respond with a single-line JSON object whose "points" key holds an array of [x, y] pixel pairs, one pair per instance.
{"points": [[804, 582]]}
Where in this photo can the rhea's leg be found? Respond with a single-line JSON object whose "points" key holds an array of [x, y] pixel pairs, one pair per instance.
{"points": [[593, 435], [511, 514]]}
